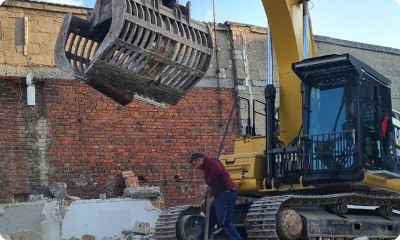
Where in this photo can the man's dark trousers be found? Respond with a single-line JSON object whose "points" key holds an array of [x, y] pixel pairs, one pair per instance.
{"points": [[221, 211]]}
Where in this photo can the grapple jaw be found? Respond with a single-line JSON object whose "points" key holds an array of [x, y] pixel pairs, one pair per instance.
{"points": [[149, 48]]}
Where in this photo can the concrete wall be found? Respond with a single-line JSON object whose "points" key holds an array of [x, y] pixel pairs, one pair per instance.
{"points": [[34, 220], [385, 60], [99, 219], [242, 61], [107, 218], [28, 32]]}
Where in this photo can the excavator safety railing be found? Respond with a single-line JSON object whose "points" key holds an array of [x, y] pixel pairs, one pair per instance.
{"points": [[146, 47], [329, 152]]}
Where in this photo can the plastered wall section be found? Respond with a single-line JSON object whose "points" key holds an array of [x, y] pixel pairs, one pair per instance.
{"points": [[28, 32], [240, 63], [34, 220]]}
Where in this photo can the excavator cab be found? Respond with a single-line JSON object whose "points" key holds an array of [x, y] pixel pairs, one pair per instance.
{"points": [[136, 48], [347, 120]]}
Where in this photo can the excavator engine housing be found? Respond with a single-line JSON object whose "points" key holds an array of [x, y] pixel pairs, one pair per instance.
{"points": [[127, 48]]}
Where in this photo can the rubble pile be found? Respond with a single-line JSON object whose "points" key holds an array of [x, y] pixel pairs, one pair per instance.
{"points": [[141, 231], [60, 217]]}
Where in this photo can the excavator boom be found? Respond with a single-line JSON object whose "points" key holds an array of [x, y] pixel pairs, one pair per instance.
{"points": [[285, 18]]}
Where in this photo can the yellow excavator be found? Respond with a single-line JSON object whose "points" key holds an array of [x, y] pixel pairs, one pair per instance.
{"points": [[328, 169]]}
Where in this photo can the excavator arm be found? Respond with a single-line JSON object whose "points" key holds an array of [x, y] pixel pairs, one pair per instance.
{"points": [[285, 20]]}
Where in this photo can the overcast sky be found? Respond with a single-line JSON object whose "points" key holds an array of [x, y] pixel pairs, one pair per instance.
{"points": [[368, 21]]}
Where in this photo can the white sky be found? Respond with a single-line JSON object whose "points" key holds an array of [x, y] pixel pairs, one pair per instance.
{"points": [[374, 22], [368, 21]]}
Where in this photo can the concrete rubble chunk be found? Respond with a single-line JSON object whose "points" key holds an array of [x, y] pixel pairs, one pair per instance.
{"points": [[131, 180], [141, 228], [127, 173], [34, 198], [103, 196], [88, 237], [59, 190], [142, 192], [4, 237], [28, 234], [129, 235]]}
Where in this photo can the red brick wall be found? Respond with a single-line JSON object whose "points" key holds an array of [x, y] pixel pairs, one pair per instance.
{"points": [[18, 171], [86, 140]]}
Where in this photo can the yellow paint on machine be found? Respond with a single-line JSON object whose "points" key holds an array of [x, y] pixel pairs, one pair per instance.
{"points": [[285, 21]]}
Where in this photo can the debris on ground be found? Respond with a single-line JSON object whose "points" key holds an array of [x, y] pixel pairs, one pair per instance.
{"points": [[141, 231]]}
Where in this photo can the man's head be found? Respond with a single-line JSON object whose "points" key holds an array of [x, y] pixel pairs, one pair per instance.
{"points": [[197, 160]]}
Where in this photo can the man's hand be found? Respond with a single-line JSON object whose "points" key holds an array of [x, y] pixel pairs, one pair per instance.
{"points": [[203, 205], [207, 193]]}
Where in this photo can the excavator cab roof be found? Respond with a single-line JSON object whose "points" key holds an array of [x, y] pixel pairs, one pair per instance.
{"points": [[335, 69]]}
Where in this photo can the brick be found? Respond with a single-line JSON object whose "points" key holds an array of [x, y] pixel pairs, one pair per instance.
{"points": [[88, 237]]}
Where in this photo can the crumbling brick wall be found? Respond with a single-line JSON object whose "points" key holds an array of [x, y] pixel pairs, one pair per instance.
{"points": [[86, 140], [78, 136]]}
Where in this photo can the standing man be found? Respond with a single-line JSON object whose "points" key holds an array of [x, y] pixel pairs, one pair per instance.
{"points": [[222, 189]]}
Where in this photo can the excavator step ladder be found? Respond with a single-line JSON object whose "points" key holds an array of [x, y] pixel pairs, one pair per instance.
{"points": [[127, 48]]}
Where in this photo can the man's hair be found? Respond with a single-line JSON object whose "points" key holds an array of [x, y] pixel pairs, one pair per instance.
{"points": [[195, 156]]}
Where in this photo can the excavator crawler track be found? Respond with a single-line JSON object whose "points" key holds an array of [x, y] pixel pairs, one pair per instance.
{"points": [[263, 218], [262, 223], [170, 226]]}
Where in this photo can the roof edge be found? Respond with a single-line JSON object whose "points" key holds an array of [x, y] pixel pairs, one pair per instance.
{"points": [[326, 39], [359, 45], [46, 6]]}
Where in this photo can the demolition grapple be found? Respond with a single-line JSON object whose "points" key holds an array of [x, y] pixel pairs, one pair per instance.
{"points": [[127, 48]]}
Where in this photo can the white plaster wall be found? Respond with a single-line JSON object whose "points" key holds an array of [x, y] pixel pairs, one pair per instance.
{"points": [[51, 227], [106, 218], [31, 220]]}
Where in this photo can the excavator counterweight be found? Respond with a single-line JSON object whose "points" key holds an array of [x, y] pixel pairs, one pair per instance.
{"points": [[147, 48]]}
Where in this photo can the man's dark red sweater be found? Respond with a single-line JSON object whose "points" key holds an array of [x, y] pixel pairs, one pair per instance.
{"points": [[216, 176]]}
